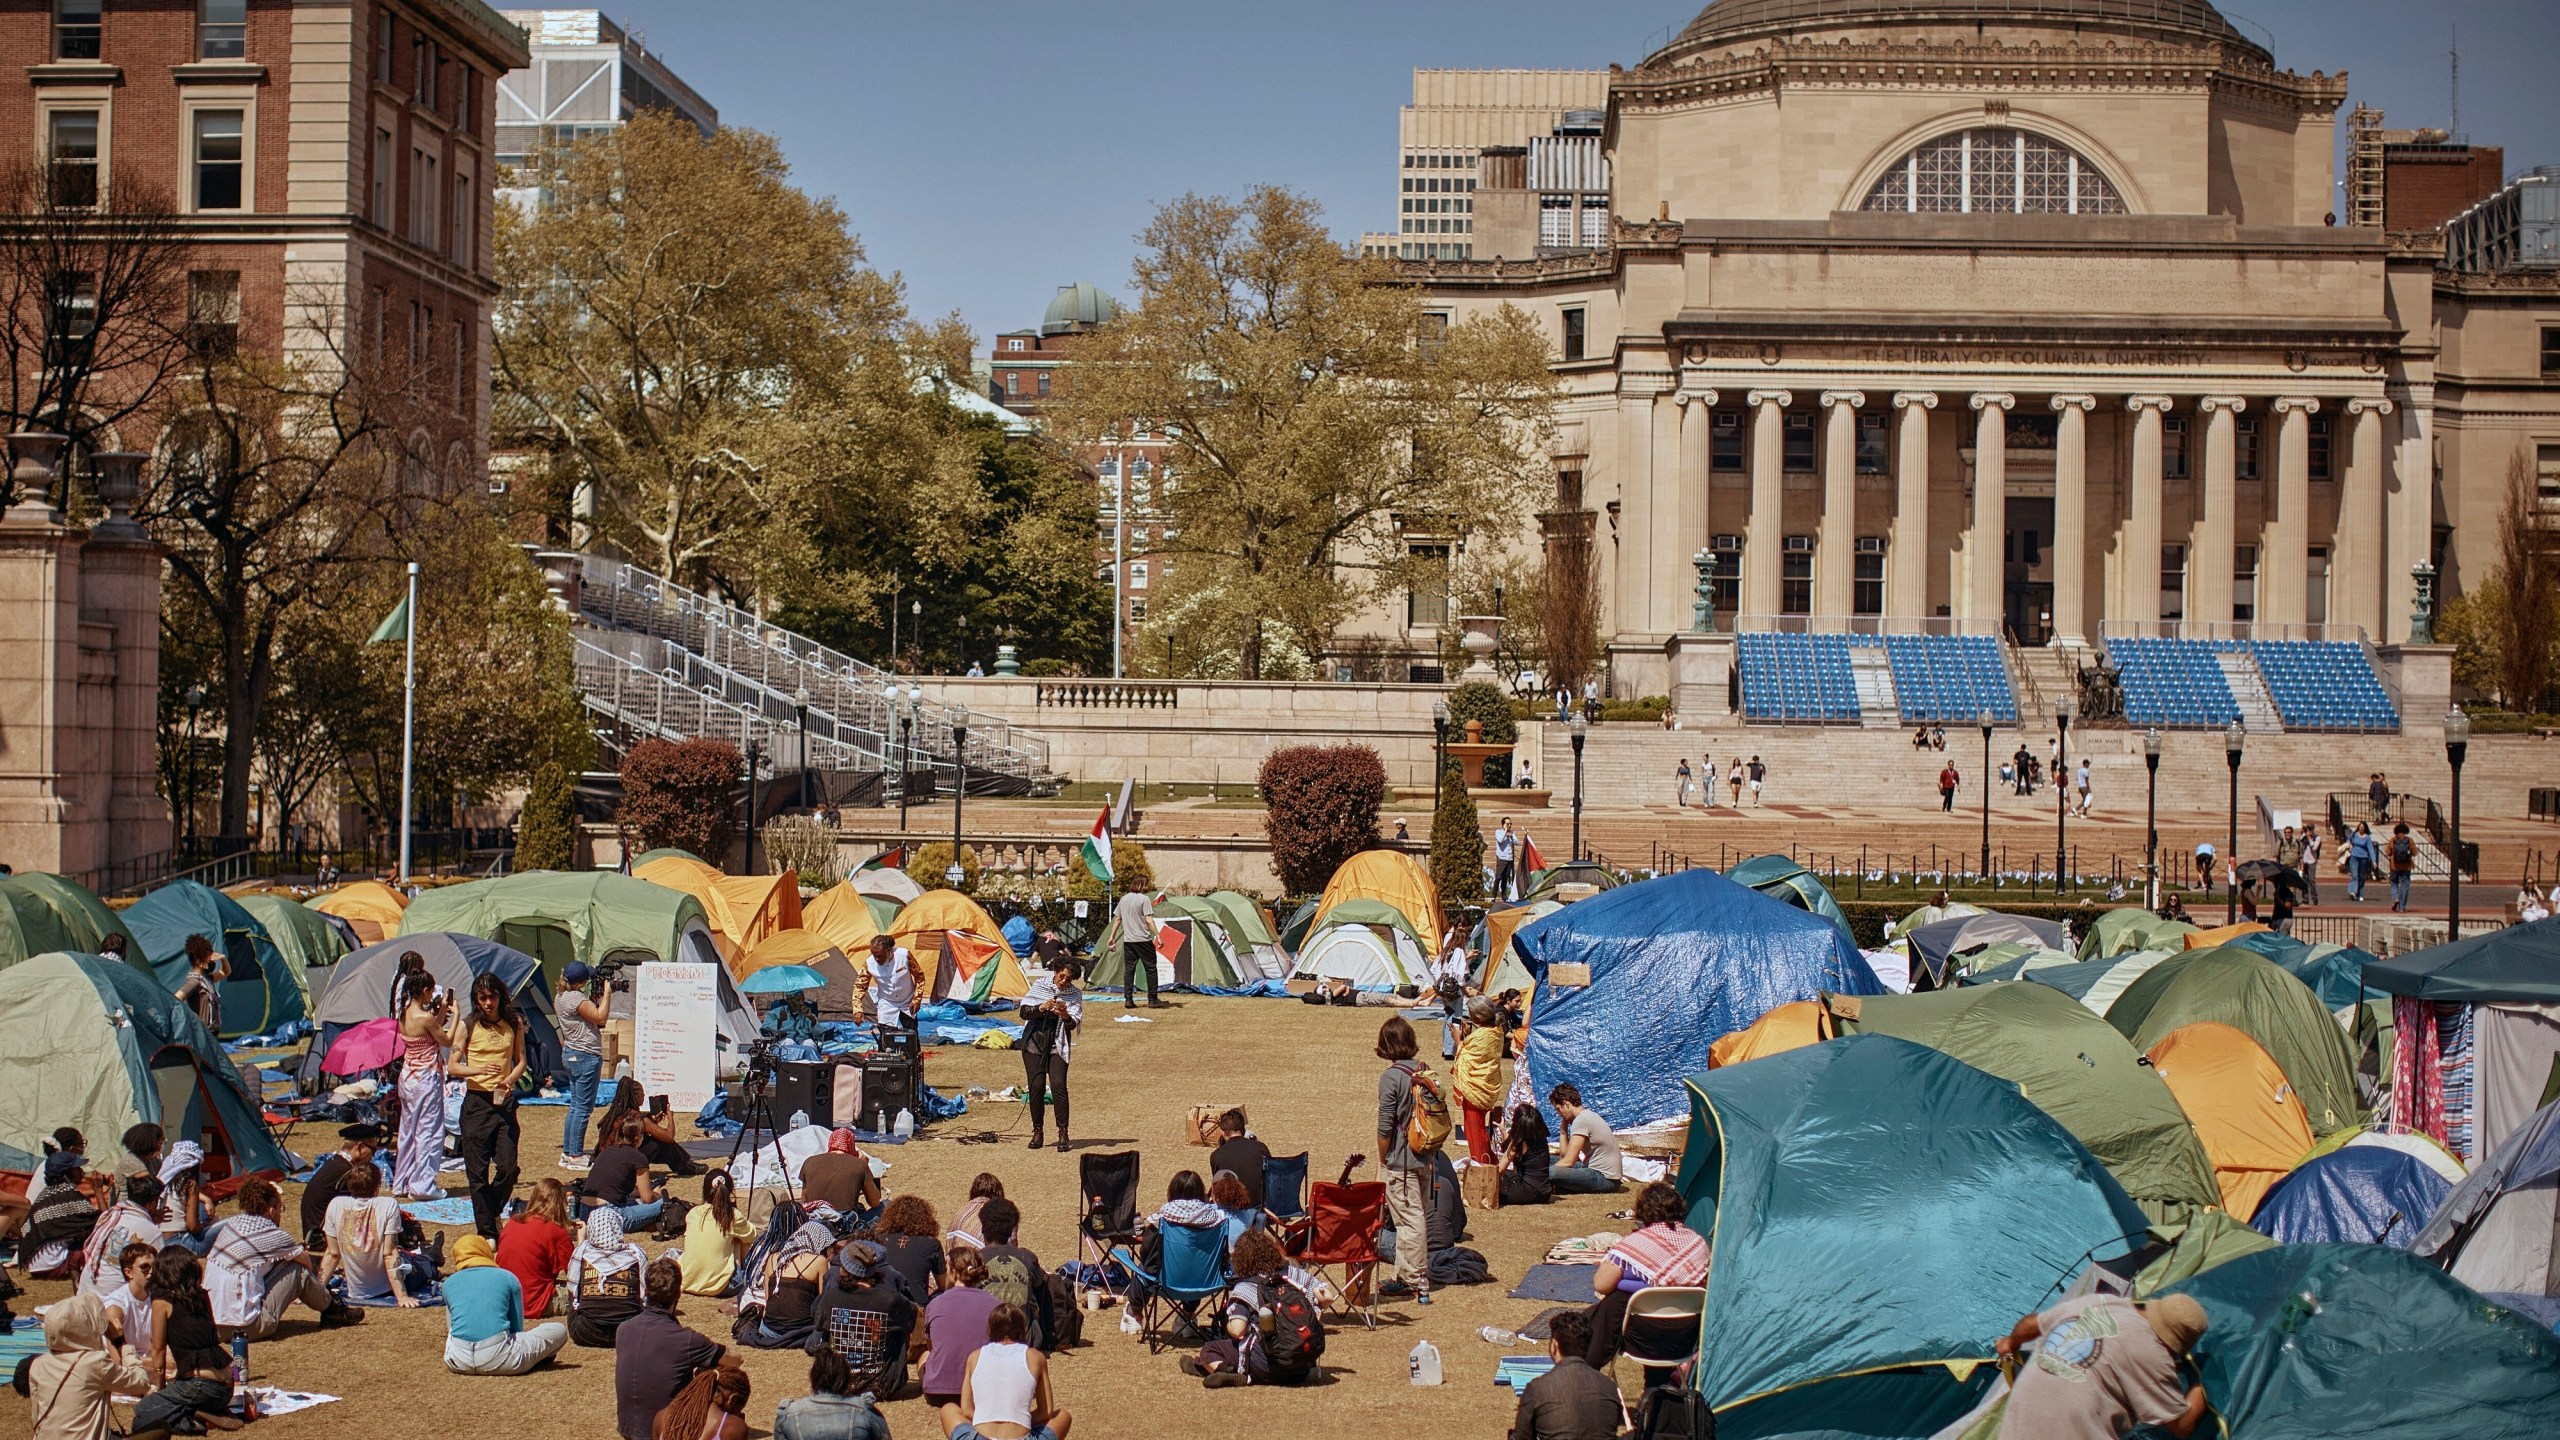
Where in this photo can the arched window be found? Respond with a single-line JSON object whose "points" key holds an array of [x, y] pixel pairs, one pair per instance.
{"points": [[1994, 171]]}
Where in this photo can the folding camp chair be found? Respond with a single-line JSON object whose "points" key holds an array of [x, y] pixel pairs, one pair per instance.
{"points": [[1344, 1236], [1109, 1217], [1284, 1186], [1194, 1269], [1663, 1325]]}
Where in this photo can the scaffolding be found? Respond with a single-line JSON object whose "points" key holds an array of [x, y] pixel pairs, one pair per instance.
{"points": [[2364, 167]]}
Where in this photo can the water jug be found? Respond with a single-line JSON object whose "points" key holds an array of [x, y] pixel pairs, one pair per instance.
{"points": [[1424, 1363], [799, 1119], [906, 1124]]}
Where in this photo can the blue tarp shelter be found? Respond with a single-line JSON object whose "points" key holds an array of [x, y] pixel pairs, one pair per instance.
{"points": [[262, 992], [2361, 1194], [1018, 936], [1675, 964]]}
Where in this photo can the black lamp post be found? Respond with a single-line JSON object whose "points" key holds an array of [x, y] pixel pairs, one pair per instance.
{"points": [[915, 634], [2231, 743], [753, 754], [2061, 790], [800, 712], [2457, 745], [959, 789], [1985, 872], [906, 762], [1439, 749], [195, 710], [2151, 812], [1581, 727]]}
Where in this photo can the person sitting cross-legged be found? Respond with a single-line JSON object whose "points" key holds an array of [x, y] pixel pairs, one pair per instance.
{"points": [[836, 1407], [485, 1332], [1004, 1394]]}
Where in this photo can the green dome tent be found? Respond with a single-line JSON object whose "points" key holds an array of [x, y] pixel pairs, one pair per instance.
{"points": [[2070, 1064], [307, 939], [102, 1046], [1781, 878], [2130, 927], [1881, 1213], [1212, 959], [2252, 994], [2094, 983], [263, 992], [557, 916], [40, 914]]}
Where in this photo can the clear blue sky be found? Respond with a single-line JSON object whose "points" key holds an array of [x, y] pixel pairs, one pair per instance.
{"points": [[992, 150]]}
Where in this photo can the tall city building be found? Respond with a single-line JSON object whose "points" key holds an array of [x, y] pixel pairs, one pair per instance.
{"points": [[1441, 138], [584, 73]]}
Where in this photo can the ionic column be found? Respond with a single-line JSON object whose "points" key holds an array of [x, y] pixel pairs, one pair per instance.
{"points": [[1908, 560], [1765, 536], [2357, 558], [2142, 514], [2071, 516], [1636, 513], [1697, 422], [2211, 556], [1990, 505], [1834, 556], [2408, 524], [2284, 556]]}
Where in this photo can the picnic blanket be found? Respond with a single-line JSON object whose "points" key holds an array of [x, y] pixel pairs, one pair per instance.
{"points": [[1555, 1284], [451, 1210], [20, 1341], [1517, 1371]]}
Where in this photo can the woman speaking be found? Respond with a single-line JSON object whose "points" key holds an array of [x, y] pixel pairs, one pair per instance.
{"points": [[1052, 1012]]}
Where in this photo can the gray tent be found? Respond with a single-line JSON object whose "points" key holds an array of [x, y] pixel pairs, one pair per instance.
{"points": [[1933, 945], [2499, 1231], [360, 987]]}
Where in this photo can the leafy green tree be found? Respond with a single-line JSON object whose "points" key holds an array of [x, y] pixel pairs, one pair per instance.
{"points": [[1457, 844], [930, 865], [547, 827]]}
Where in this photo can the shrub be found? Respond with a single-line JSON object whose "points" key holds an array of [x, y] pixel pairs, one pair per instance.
{"points": [[926, 867], [1482, 700], [547, 827], [681, 794], [1046, 667], [1457, 844], [803, 846], [1129, 871], [1321, 808]]}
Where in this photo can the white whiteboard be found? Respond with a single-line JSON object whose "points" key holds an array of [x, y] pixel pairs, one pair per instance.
{"points": [[673, 1033]]}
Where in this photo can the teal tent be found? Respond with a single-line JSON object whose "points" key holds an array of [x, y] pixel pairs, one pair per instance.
{"points": [[1878, 1208], [43, 913], [1783, 879], [104, 1047], [2519, 965], [2335, 973], [264, 991], [2371, 1342]]}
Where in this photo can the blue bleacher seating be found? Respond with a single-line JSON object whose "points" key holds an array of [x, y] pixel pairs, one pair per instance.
{"points": [[1947, 679], [2174, 683], [1796, 679], [2324, 685]]}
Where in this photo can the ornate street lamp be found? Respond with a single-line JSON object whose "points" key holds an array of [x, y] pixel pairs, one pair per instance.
{"points": [[2457, 746], [800, 712], [2151, 811], [1439, 749], [2061, 790], [1581, 728], [2232, 740], [1986, 721], [959, 789]]}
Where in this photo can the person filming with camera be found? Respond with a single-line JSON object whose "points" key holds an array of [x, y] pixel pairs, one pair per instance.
{"points": [[1448, 980], [1052, 1011], [582, 1007]]}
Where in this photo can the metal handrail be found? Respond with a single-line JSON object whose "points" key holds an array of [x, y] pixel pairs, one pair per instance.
{"points": [[673, 705]]}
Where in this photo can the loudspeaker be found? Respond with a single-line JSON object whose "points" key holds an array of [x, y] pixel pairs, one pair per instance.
{"points": [[804, 1085], [888, 1083]]}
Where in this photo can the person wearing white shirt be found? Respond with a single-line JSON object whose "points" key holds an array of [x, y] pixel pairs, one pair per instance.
{"points": [[1052, 1010], [1136, 914], [893, 984], [1448, 977], [1506, 846]]}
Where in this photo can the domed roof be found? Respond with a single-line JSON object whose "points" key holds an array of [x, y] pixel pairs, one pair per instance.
{"points": [[1730, 22], [1080, 306]]}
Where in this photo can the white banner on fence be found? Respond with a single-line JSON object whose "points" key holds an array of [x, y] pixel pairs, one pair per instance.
{"points": [[674, 1030]]}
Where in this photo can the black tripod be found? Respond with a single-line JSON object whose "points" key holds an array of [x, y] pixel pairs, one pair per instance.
{"points": [[755, 1090]]}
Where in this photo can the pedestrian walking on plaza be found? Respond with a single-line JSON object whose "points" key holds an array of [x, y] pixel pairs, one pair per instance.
{"points": [[1407, 1172], [1706, 782], [1506, 847], [1137, 916], [2080, 782], [2021, 761], [2360, 861], [1683, 777], [1564, 704], [2310, 866], [2204, 864], [1759, 772], [2404, 863], [2377, 792], [1948, 780], [1734, 779]]}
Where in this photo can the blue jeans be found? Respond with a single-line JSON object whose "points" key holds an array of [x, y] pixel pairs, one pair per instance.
{"points": [[584, 1066], [2357, 873], [2399, 889], [967, 1431], [1579, 1180], [634, 1217]]}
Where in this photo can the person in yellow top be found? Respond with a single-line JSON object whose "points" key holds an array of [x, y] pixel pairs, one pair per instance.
{"points": [[487, 1056], [715, 1238], [1476, 1079]]}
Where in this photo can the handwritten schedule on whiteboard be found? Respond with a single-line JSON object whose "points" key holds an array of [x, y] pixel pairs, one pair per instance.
{"points": [[674, 1025]]}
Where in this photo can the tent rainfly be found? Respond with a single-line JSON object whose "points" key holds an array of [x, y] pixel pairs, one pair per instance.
{"points": [[263, 992], [1393, 878], [2252, 994], [370, 906], [40, 914]]}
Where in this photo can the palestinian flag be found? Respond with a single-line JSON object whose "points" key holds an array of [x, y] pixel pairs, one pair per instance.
{"points": [[1096, 854], [1531, 862], [886, 860]]}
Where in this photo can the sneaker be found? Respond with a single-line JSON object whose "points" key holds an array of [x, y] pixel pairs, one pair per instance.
{"points": [[340, 1315], [1223, 1380], [575, 1162], [1394, 1290], [1192, 1367]]}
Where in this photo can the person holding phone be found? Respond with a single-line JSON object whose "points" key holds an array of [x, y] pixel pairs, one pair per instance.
{"points": [[1052, 1012], [487, 1055], [426, 1017]]}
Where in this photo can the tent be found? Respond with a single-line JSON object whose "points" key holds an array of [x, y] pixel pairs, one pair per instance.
{"points": [[812, 948], [1502, 969], [2489, 1009], [104, 1047], [2499, 1231], [843, 916], [1018, 936], [1369, 943], [1249, 928], [1780, 878], [2250, 993], [1794, 1161], [2130, 927], [2222, 935], [263, 992], [741, 909], [2010, 957], [307, 939], [2519, 965], [1214, 960], [372, 907], [360, 987], [1934, 947], [1927, 915], [1547, 884], [926, 926], [42, 913], [2247, 1114], [2363, 1194], [1393, 878], [2070, 1064], [975, 968], [2094, 983], [1674, 965], [557, 917], [884, 882], [2335, 973], [939, 910], [2364, 1340], [1791, 1026]]}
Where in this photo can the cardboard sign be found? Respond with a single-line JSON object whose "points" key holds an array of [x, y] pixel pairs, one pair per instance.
{"points": [[674, 1033], [1569, 975]]}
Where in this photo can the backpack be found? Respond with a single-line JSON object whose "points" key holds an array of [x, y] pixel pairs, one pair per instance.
{"points": [[1673, 1412], [1296, 1341], [1428, 1127], [2403, 852]]}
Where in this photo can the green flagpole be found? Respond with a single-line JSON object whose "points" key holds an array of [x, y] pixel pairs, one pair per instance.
{"points": [[408, 719]]}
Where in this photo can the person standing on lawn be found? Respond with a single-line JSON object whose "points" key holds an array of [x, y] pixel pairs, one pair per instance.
{"points": [[581, 1019], [1137, 916], [1408, 1174]]}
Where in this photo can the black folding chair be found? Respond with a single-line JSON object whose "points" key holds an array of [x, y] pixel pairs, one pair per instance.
{"points": [[1108, 1187]]}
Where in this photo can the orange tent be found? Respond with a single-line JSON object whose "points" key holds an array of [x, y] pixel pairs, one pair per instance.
{"points": [[846, 981], [841, 915], [2253, 1126], [2223, 934], [742, 909], [370, 908], [1791, 1026]]}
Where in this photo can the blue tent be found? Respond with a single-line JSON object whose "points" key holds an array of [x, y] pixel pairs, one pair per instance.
{"points": [[1878, 1207], [261, 993], [360, 988], [1017, 935], [2364, 1194], [2368, 1341], [1676, 964]]}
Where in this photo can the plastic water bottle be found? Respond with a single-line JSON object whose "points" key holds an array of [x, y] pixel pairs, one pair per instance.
{"points": [[1496, 1335], [799, 1119], [1424, 1363], [906, 1129], [239, 1359], [880, 1120]]}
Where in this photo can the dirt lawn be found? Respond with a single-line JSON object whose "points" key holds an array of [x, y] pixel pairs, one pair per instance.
{"points": [[1305, 1075]]}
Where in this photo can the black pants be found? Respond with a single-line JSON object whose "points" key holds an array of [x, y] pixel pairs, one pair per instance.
{"points": [[1947, 800], [489, 1132], [1502, 878], [178, 1407], [1140, 957], [1608, 1321], [1043, 1065]]}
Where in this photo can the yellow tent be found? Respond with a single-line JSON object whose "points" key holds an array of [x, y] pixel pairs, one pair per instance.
{"points": [[1791, 1026], [742, 909], [846, 980], [842, 917], [1391, 877], [937, 910], [371, 908], [2253, 1126], [2223, 934]]}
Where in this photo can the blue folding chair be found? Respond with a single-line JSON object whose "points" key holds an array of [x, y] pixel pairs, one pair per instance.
{"points": [[1194, 1270], [1284, 1185]]}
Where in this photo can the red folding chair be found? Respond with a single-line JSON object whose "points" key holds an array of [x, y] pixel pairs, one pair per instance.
{"points": [[1342, 1234]]}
